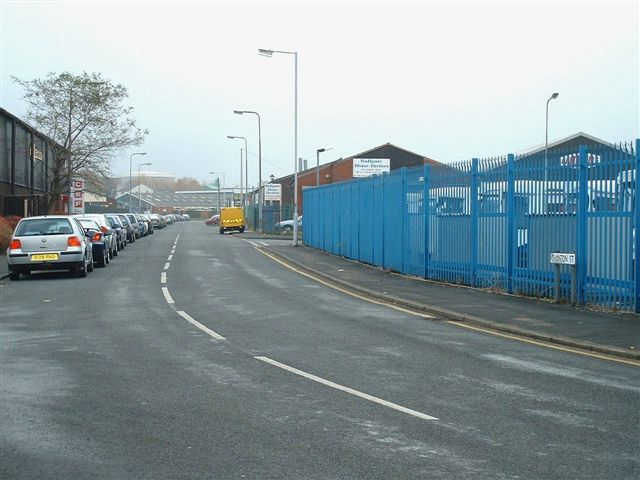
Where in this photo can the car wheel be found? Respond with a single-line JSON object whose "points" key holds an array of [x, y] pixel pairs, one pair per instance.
{"points": [[81, 269], [287, 228], [115, 252], [14, 275], [102, 260], [221, 231]]}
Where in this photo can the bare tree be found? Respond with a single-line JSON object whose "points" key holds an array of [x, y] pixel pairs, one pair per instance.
{"points": [[84, 114]]}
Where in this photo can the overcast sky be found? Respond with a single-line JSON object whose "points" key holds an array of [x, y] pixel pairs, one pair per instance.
{"points": [[450, 81]]}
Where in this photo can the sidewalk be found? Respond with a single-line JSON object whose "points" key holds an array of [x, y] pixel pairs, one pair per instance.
{"points": [[608, 333]]}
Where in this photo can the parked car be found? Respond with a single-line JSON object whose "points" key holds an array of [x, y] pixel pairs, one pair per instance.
{"points": [[213, 221], [53, 242], [110, 239], [287, 225], [147, 220], [142, 225], [131, 233], [98, 241], [119, 229], [135, 224], [156, 221]]}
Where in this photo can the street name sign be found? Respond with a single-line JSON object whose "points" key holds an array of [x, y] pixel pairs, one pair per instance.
{"points": [[562, 258]]}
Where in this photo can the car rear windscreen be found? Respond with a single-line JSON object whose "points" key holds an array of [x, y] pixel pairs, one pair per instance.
{"points": [[44, 226]]}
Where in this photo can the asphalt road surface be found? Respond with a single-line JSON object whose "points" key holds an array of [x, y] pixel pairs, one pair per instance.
{"points": [[193, 355]]}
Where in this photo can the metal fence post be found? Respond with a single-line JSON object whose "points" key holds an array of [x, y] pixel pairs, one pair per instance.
{"points": [[636, 223], [511, 218], [425, 213], [474, 222], [403, 213], [581, 234]]}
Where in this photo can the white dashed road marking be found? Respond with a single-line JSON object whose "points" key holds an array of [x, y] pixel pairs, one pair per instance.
{"points": [[167, 295], [348, 390], [163, 277], [166, 266], [197, 324]]}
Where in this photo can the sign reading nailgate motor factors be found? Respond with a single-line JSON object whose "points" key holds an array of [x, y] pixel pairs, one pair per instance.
{"points": [[273, 192], [76, 202], [366, 167]]}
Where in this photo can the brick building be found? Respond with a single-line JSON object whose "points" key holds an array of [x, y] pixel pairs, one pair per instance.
{"points": [[342, 169]]}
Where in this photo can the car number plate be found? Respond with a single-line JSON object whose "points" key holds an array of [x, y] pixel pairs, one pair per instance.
{"points": [[44, 256]]}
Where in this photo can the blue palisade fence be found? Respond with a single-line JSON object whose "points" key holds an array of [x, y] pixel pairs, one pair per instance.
{"points": [[493, 223]]}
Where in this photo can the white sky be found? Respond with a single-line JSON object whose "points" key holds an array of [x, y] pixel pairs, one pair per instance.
{"points": [[449, 80]]}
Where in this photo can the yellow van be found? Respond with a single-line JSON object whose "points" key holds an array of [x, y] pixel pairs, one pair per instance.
{"points": [[232, 218]]}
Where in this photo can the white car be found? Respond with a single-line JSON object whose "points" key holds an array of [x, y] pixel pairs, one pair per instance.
{"points": [[287, 225]]}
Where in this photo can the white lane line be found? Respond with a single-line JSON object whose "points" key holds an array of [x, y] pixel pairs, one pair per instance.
{"points": [[163, 277], [252, 243], [170, 258], [167, 295], [166, 266], [197, 324], [348, 390], [265, 244], [173, 251]]}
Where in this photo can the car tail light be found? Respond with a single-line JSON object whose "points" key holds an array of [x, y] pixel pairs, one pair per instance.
{"points": [[97, 237], [73, 242], [103, 229], [15, 245]]}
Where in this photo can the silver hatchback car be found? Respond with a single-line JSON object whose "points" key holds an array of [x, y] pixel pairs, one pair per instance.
{"points": [[53, 242]]}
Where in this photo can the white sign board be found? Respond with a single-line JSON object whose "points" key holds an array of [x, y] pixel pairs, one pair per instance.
{"points": [[563, 258], [366, 167], [76, 201], [273, 192]]}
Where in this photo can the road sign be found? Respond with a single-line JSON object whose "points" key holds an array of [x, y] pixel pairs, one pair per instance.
{"points": [[562, 258], [273, 191]]}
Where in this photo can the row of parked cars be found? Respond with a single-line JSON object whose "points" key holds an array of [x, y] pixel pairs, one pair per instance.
{"points": [[76, 243]]}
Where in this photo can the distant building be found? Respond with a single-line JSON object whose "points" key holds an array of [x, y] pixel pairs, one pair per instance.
{"points": [[390, 156]]}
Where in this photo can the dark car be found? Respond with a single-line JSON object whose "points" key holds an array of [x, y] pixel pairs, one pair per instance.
{"points": [[98, 241]]}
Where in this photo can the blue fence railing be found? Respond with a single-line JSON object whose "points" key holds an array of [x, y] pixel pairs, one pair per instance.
{"points": [[493, 223]]}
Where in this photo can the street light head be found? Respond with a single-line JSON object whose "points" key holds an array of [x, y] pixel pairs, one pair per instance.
{"points": [[555, 95], [238, 112], [265, 53]]}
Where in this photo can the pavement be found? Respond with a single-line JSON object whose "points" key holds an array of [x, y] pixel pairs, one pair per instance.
{"points": [[615, 334]]}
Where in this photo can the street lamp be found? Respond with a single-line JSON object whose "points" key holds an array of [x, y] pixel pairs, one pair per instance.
{"points": [[218, 184], [242, 112], [546, 137], [130, 184], [246, 167], [269, 53], [318, 152], [139, 198]]}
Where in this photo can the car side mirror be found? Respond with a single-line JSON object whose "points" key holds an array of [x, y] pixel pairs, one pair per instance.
{"points": [[91, 232]]}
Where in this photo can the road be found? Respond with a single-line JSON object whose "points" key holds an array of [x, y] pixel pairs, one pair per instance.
{"points": [[216, 362]]}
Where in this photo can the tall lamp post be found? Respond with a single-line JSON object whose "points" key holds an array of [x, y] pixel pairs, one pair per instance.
{"points": [[269, 53], [130, 167], [242, 112], [218, 184], [246, 167], [546, 137], [139, 198], [318, 152]]}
